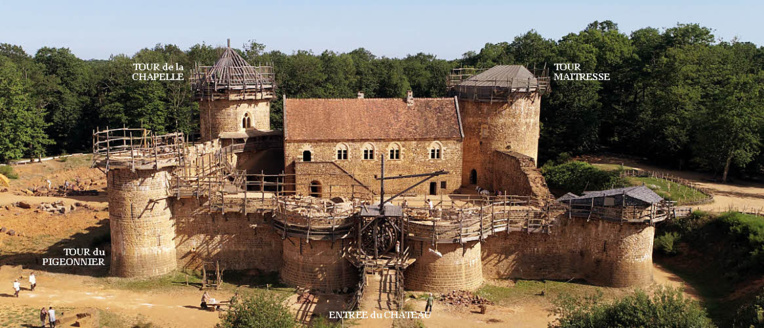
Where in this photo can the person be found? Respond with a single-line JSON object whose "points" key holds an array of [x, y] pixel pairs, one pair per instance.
{"points": [[16, 287], [43, 316], [52, 317], [428, 307], [32, 281], [429, 203], [205, 300]]}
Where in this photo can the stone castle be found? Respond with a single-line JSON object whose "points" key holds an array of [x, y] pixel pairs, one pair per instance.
{"points": [[361, 186]]}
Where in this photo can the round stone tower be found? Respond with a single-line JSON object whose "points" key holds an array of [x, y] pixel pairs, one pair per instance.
{"points": [[500, 111], [142, 230], [318, 264], [234, 97]]}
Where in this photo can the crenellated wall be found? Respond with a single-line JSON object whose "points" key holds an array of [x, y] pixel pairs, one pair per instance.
{"points": [[142, 231]]}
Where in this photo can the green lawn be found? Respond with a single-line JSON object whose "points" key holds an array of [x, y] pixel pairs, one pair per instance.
{"points": [[612, 167], [525, 290], [669, 190]]}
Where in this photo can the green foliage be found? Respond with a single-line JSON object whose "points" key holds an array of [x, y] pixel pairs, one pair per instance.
{"points": [[577, 177], [751, 314], [746, 236], [665, 243], [666, 308], [261, 309], [669, 190], [8, 172]]}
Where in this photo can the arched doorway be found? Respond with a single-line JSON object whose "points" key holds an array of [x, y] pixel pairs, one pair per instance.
{"points": [[315, 189], [306, 156], [473, 176]]}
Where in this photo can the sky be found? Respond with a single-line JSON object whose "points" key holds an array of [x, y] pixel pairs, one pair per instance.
{"points": [[447, 29]]}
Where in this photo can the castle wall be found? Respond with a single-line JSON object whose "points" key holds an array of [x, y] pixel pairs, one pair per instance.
{"points": [[516, 174], [498, 126], [142, 232], [317, 265], [414, 159], [600, 252], [238, 241], [226, 116], [460, 267]]}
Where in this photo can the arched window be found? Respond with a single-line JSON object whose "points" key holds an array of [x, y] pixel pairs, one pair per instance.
{"points": [[246, 121], [436, 150], [394, 151], [315, 189], [342, 151], [368, 151], [307, 156]]}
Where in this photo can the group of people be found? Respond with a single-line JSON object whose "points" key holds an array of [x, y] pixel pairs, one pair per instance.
{"points": [[17, 284], [50, 315]]}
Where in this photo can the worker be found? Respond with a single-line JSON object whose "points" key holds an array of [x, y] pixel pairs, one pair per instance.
{"points": [[428, 307], [32, 281], [16, 288]]}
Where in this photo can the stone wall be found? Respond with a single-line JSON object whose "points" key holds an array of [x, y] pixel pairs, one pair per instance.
{"points": [[414, 159], [239, 242], [226, 116], [600, 252], [318, 265], [460, 267], [142, 232], [498, 126], [516, 174]]}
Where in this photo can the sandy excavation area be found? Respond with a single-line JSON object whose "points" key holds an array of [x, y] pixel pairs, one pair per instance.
{"points": [[89, 298]]}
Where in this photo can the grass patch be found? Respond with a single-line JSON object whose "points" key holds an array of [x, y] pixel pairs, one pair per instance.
{"points": [[19, 316], [232, 280], [525, 290], [8, 172], [613, 167], [669, 190], [170, 280]]}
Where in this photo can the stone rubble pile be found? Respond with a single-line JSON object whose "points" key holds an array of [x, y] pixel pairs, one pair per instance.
{"points": [[60, 207], [462, 297]]}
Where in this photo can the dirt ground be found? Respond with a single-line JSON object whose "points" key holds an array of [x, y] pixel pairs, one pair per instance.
{"points": [[737, 195]]}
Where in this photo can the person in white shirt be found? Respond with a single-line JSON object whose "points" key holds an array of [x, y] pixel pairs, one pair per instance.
{"points": [[16, 287], [52, 317], [32, 281]]}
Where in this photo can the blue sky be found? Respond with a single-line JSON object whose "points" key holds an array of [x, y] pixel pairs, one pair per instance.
{"points": [[97, 29]]}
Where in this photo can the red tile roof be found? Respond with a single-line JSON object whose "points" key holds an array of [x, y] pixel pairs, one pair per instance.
{"points": [[371, 119]]}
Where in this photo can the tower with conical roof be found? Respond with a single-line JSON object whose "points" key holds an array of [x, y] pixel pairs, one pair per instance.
{"points": [[234, 96]]}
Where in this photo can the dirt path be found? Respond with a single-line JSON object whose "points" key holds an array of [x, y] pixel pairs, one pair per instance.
{"points": [[175, 308]]}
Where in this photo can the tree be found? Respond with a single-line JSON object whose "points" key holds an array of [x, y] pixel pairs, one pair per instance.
{"points": [[22, 125], [260, 310]]}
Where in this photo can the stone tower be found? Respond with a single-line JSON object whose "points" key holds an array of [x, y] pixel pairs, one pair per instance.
{"points": [[500, 110], [234, 96], [139, 168]]}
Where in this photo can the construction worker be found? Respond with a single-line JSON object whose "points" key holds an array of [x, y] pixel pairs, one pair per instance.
{"points": [[428, 307], [16, 288], [32, 281]]}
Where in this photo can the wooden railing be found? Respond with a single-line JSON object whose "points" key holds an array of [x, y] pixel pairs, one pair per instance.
{"points": [[136, 149]]}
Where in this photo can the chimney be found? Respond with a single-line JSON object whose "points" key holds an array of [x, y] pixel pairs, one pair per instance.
{"points": [[229, 43], [410, 98], [360, 94]]}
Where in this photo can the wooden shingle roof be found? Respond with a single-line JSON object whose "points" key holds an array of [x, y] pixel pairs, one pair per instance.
{"points": [[371, 119]]}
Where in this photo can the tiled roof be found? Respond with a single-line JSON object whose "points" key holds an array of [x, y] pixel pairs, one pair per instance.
{"points": [[640, 192], [505, 76], [371, 119]]}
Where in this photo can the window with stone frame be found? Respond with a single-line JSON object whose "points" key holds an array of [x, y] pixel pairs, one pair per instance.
{"points": [[342, 152], [368, 151], [394, 151], [436, 150]]}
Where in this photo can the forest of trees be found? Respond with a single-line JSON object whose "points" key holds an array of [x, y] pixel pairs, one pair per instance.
{"points": [[677, 96]]}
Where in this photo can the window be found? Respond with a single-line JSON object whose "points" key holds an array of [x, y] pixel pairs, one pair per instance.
{"points": [[342, 151], [246, 122], [395, 151], [442, 185], [315, 189], [307, 156], [436, 150], [368, 151]]}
